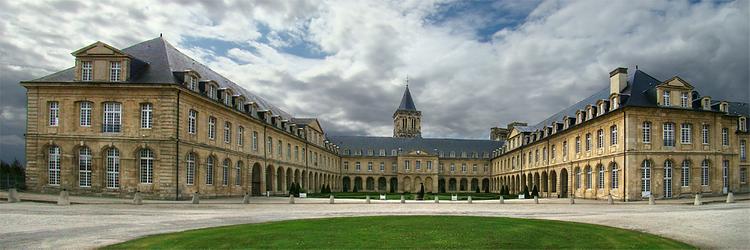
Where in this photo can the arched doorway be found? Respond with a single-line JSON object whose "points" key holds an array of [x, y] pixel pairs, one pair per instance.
{"points": [[280, 185], [255, 179], [441, 185], [474, 184], [563, 183], [370, 184], [394, 185], [269, 178], [357, 184], [381, 184], [463, 185], [544, 182], [407, 184], [346, 183], [452, 185], [428, 185], [486, 185]]}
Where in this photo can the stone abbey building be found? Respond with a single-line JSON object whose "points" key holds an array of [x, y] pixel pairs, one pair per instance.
{"points": [[149, 118]]}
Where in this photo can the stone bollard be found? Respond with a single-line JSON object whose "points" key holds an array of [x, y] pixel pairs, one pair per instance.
{"points": [[64, 199], [469, 199], [502, 200], [196, 198], [330, 199], [137, 199], [402, 199], [367, 199], [13, 196], [572, 200], [246, 199], [610, 201], [291, 199], [536, 199], [651, 200], [697, 201], [437, 200], [730, 197]]}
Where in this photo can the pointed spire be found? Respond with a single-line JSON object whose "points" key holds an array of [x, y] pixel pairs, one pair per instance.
{"points": [[407, 103]]}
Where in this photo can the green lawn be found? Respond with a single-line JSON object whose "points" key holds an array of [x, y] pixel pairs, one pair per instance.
{"points": [[391, 196], [407, 232]]}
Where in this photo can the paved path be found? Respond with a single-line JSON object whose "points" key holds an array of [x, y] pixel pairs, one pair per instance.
{"points": [[102, 221]]}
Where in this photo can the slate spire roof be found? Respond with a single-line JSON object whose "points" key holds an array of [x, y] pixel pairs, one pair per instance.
{"points": [[406, 102]]}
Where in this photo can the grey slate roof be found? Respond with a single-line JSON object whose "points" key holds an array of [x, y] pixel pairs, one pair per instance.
{"points": [[156, 61], [431, 145], [407, 103]]}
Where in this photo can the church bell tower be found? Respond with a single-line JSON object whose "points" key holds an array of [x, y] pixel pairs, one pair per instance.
{"points": [[407, 120]]}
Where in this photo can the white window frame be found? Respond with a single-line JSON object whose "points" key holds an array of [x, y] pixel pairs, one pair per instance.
{"points": [[646, 177], [666, 98], [147, 114], [54, 113], [615, 181], [146, 166], [190, 169], [87, 71], [211, 128], [686, 133], [255, 141], [113, 168], [743, 150], [112, 117], [192, 121], [705, 133], [685, 174], [613, 135], [705, 173], [725, 136], [85, 113], [646, 132], [225, 172], [600, 138], [115, 71], [600, 182], [210, 161], [369, 166], [84, 167], [668, 134], [238, 173], [684, 100], [227, 132], [240, 136]]}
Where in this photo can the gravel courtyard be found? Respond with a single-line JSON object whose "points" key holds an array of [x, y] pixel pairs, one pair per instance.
{"points": [[92, 222]]}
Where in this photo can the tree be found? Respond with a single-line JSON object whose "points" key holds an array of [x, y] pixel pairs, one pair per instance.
{"points": [[393, 188], [526, 191], [477, 190], [328, 188], [293, 189], [534, 191], [323, 189]]}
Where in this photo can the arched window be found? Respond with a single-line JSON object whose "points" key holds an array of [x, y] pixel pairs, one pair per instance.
{"points": [[53, 165], [704, 173], [615, 176], [588, 177], [646, 178], [238, 174], [84, 167], [578, 178], [210, 170], [190, 169], [225, 172], [685, 175], [147, 166], [113, 168], [600, 183]]}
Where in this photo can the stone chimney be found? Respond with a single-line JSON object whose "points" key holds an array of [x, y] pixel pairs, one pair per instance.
{"points": [[618, 80], [498, 134]]}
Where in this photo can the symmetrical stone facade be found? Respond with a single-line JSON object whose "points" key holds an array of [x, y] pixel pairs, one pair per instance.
{"points": [[148, 118]]}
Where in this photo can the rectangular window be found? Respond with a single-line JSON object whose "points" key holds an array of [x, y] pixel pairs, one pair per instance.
{"points": [[147, 166], [685, 173], [418, 165], [54, 114], [288, 151], [147, 111], [406, 166], [193, 83], [666, 100], [86, 71], [474, 168], [53, 166], [296, 153], [578, 144], [255, 141], [743, 175], [280, 149], [646, 132], [394, 167], [84, 167], [705, 133], [429, 165], [600, 138], [240, 136], [357, 166], [210, 171], [238, 174], [112, 117], [346, 165], [85, 114], [668, 134], [704, 173], [553, 151], [613, 135], [382, 166], [190, 175], [225, 173], [463, 168], [113, 168], [211, 127], [453, 167], [684, 100], [743, 150], [114, 71], [685, 133], [192, 118], [227, 132], [369, 166], [725, 136]]}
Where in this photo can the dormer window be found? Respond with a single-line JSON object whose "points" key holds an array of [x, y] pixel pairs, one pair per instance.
{"points": [[601, 108], [665, 98], [227, 98], [211, 92], [613, 103], [743, 124], [114, 71], [86, 71], [724, 107], [706, 103], [684, 100], [193, 83]]}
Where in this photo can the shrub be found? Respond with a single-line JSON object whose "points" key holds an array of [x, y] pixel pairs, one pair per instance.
{"points": [[525, 191], [328, 188], [355, 189], [534, 191], [477, 190]]}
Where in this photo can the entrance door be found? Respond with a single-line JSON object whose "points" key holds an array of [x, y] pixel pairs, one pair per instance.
{"points": [[564, 183], [255, 186], [668, 182], [646, 179]]}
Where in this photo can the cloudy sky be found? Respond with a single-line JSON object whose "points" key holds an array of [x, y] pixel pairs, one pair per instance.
{"points": [[472, 64]]}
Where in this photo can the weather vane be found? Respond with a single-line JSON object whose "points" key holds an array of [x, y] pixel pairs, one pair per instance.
{"points": [[407, 80]]}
